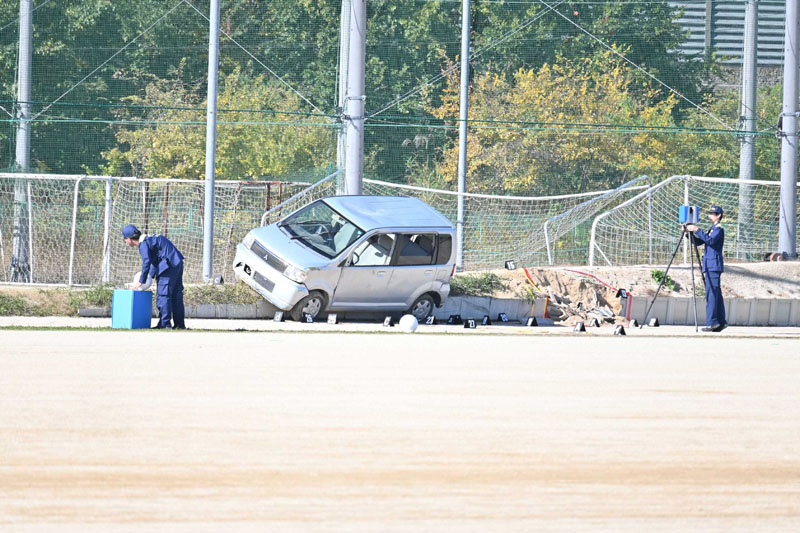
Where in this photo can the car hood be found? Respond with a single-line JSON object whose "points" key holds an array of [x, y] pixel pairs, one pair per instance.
{"points": [[276, 241]]}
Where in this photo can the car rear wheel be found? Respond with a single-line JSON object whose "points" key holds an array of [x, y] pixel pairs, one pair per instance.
{"points": [[313, 304], [422, 308]]}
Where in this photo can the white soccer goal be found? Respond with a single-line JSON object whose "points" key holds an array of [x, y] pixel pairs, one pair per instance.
{"points": [[496, 228], [70, 224], [645, 229]]}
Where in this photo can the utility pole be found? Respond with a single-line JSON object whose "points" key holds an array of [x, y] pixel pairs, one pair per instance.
{"points": [[211, 141], [20, 265], [344, 52], [462, 131], [353, 112], [787, 224], [747, 153]]}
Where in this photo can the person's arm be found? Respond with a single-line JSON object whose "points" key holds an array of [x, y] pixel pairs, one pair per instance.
{"points": [[147, 266], [713, 239], [696, 234]]}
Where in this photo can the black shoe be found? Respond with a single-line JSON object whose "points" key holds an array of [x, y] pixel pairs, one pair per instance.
{"points": [[159, 326], [180, 327], [719, 328], [708, 329]]}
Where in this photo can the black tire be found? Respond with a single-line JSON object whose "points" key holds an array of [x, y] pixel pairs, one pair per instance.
{"points": [[422, 308], [313, 304]]}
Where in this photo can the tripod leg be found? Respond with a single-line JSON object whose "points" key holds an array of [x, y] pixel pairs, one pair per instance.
{"points": [[663, 279], [694, 290]]}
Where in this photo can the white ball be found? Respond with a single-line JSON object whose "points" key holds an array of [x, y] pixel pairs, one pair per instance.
{"points": [[146, 284], [408, 323]]}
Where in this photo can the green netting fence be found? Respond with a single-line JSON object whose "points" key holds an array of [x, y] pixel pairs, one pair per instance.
{"points": [[565, 97]]}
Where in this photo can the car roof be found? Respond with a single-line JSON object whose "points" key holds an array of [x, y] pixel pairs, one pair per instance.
{"points": [[372, 212]]}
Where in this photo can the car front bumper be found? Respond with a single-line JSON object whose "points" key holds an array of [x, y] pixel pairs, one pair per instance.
{"points": [[276, 288]]}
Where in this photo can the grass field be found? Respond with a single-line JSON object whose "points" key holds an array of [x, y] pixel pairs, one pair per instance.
{"points": [[218, 431]]}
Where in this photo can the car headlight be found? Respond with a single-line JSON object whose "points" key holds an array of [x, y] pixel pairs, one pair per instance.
{"points": [[248, 239], [295, 274]]}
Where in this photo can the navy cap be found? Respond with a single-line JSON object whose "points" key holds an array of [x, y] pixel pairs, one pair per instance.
{"points": [[128, 231], [715, 210]]}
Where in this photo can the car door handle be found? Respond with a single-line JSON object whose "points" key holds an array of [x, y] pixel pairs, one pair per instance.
{"points": [[429, 272], [380, 273]]}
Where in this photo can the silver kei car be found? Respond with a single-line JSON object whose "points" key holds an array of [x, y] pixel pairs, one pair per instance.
{"points": [[352, 253]]}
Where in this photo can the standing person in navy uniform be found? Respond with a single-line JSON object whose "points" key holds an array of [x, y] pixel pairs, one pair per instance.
{"points": [[712, 268], [161, 260]]}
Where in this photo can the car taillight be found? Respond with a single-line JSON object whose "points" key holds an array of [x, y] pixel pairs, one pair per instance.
{"points": [[453, 271]]}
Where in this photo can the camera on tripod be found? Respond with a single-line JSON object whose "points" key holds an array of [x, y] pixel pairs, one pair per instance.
{"points": [[689, 214]]}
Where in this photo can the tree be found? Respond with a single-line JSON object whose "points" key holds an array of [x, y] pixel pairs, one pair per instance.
{"points": [[252, 141], [568, 127]]}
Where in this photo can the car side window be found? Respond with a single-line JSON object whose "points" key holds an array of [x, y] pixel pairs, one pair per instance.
{"points": [[445, 249], [415, 249], [375, 251]]}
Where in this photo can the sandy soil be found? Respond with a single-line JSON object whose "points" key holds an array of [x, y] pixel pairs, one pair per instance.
{"points": [[143, 431]]}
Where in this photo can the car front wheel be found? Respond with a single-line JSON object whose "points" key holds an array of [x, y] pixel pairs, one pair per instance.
{"points": [[313, 304]]}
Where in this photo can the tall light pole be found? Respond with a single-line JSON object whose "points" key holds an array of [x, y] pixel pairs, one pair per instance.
{"points": [[462, 131], [353, 112], [211, 141], [747, 153], [787, 224], [20, 266]]}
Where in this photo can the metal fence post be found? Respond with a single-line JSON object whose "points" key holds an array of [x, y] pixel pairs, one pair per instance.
{"points": [[74, 224], [107, 234], [30, 233], [685, 202]]}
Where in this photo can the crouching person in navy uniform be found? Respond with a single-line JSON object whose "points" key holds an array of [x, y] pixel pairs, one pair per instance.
{"points": [[712, 268], [161, 260]]}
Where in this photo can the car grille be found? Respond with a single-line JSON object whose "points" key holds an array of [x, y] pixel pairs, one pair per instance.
{"points": [[264, 282], [271, 260]]}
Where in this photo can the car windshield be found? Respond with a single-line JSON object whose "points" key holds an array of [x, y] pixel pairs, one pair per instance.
{"points": [[322, 229]]}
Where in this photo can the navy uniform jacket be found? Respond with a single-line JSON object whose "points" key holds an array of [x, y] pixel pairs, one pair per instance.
{"points": [[714, 240], [158, 254]]}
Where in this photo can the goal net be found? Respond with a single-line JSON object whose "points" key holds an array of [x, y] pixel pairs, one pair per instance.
{"points": [[645, 229]]}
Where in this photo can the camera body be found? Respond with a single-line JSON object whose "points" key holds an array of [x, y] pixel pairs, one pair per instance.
{"points": [[689, 214]]}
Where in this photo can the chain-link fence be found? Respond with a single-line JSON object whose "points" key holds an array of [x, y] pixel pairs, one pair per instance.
{"points": [[66, 229]]}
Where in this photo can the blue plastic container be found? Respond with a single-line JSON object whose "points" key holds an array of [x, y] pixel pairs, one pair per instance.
{"points": [[131, 309]]}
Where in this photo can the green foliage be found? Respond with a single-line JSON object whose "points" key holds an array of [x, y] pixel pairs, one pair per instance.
{"points": [[542, 150], [96, 296], [236, 293], [11, 305], [658, 275], [483, 284], [259, 143]]}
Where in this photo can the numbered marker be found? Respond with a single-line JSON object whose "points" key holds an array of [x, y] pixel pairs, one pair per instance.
{"points": [[470, 324], [333, 318], [486, 321], [307, 318], [278, 316], [502, 317], [430, 321]]}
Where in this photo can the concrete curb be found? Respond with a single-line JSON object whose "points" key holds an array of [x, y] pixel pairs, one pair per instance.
{"points": [[668, 310]]}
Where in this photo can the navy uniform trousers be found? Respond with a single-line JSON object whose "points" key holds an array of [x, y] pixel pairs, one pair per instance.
{"points": [[169, 297], [715, 306]]}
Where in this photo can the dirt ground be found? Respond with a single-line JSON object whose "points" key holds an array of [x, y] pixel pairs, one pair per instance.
{"points": [[211, 431], [592, 286]]}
